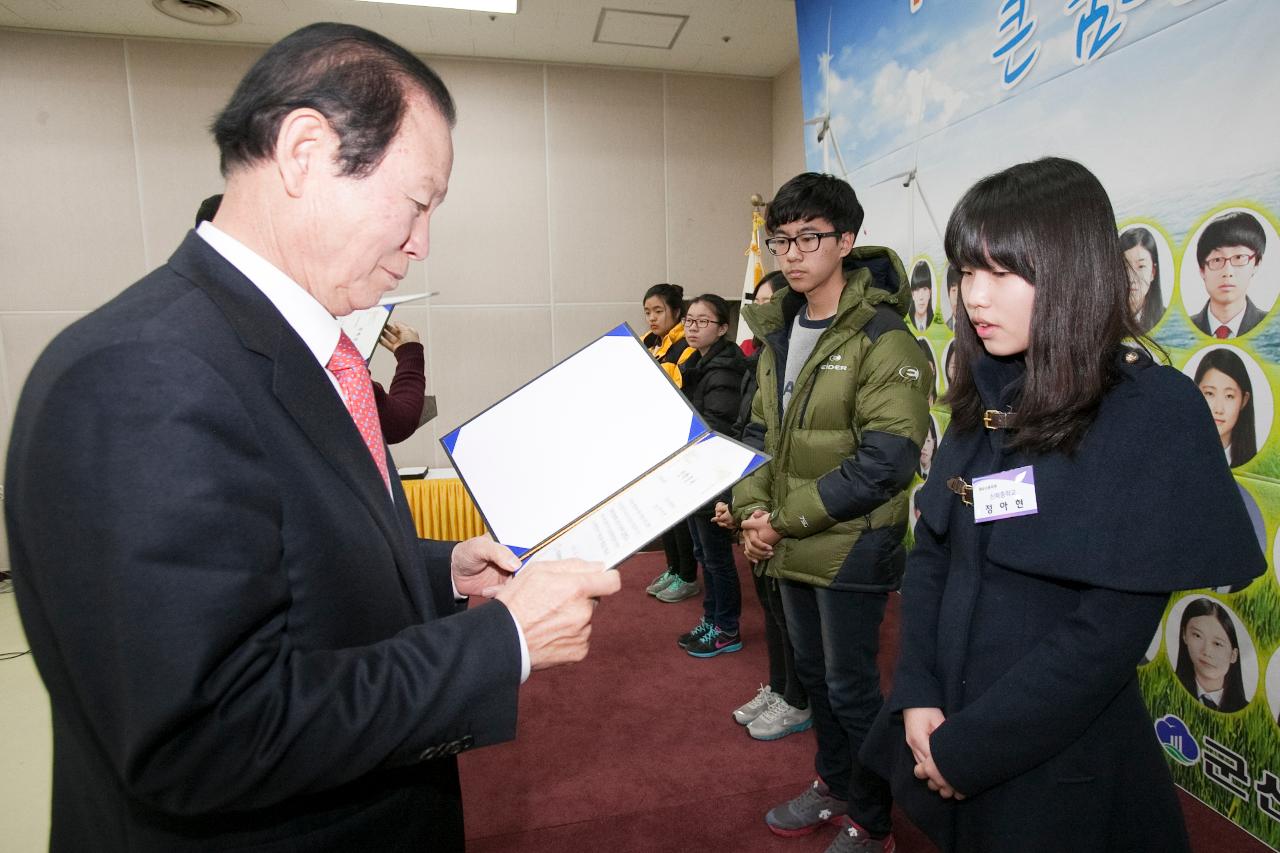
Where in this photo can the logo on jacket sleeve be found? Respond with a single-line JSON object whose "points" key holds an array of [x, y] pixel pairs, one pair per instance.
{"points": [[911, 374]]}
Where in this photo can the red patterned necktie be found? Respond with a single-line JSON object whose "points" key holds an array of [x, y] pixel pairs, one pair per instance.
{"points": [[357, 392], [1222, 332]]}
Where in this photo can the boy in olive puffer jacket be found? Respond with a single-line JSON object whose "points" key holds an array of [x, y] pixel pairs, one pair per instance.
{"points": [[842, 409]]}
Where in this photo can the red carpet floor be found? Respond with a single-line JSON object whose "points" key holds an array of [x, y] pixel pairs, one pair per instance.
{"points": [[635, 749]]}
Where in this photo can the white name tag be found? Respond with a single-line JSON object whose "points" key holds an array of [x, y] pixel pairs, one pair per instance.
{"points": [[1005, 494]]}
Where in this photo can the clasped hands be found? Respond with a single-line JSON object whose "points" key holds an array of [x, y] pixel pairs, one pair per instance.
{"points": [[920, 724], [552, 602], [758, 536]]}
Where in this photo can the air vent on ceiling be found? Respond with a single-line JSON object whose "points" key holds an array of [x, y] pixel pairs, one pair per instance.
{"points": [[205, 13], [631, 28]]}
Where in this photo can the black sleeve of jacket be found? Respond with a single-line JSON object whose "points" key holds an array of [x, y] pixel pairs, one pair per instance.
{"points": [[881, 467], [720, 401], [747, 392]]}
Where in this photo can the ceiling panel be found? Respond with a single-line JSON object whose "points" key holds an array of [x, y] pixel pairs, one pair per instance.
{"points": [[753, 38]]}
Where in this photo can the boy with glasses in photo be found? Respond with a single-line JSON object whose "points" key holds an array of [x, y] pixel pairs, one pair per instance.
{"points": [[1229, 252], [841, 407]]}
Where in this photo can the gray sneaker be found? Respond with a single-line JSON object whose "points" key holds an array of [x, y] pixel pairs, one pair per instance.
{"points": [[744, 714], [661, 582], [806, 812], [679, 590], [854, 839], [779, 720]]}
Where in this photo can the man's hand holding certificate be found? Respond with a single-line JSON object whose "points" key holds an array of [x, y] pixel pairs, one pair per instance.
{"points": [[552, 605]]}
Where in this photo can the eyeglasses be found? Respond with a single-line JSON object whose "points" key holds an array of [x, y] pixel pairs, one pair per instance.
{"points": [[807, 242], [699, 322], [1236, 260]]}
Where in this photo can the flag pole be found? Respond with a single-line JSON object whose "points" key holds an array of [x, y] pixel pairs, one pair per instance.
{"points": [[755, 262]]}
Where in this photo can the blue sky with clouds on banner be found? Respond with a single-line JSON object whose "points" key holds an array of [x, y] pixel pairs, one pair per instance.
{"points": [[1173, 117], [894, 77]]}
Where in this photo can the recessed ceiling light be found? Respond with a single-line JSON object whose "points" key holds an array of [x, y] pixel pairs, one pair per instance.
{"points": [[509, 7], [206, 13]]}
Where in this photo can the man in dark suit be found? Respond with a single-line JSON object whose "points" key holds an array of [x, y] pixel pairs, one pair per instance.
{"points": [[1229, 252], [244, 642]]}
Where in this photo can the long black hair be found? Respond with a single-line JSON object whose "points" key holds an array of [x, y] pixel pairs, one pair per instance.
{"points": [[1152, 308], [1050, 222], [1244, 436], [1233, 698]]}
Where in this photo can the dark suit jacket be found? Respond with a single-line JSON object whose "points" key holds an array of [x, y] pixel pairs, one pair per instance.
{"points": [[244, 642], [1253, 315]]}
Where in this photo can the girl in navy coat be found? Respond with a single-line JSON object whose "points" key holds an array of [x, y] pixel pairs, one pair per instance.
{"points": [[1016, 722]]}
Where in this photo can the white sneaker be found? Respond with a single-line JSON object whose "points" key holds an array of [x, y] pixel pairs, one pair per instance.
{"points": [[748, 712], [779, 720]]}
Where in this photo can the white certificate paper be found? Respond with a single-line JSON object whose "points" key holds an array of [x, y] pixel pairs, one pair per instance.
{"points": [[365, 326], [594, 457], [628, 520]]}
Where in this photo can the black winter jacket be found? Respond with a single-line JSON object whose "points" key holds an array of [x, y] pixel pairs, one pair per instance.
{"points": [[713, 385]]}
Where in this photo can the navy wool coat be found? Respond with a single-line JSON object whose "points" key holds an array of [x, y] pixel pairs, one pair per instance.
{"points": [[1027, 631]]}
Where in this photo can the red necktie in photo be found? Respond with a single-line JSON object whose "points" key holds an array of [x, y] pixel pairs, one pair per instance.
{"points": [[357, 392], [1222, 332]]}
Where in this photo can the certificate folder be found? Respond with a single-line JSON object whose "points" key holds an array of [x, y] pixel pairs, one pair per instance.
{"points": [[594, 457], [364, 327]]}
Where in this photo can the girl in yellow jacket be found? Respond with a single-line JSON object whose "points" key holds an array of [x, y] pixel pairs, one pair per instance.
{"points": [[664, 310]]}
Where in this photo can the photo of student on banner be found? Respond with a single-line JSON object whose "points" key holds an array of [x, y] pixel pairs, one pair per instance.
{"points": [[1275, 557], [1213, 655], [1146, 257], [921, 316], [953, 294], [1238, 396], [927, 449], [1226, 257], [933, 369], [1259, 531], [1154, 648], [1271, 684], [949, 363]]}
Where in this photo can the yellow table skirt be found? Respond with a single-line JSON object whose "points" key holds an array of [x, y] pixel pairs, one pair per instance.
{"points": [[442, 509]]}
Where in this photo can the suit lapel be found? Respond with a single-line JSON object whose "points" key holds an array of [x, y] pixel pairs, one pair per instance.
{"points": [[305, 392]]}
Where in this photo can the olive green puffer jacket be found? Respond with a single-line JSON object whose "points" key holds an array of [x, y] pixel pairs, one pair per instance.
{"points": [[850, 440]]}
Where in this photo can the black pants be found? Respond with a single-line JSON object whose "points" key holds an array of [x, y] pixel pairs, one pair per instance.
{"points": [[679, 547], [836, 635], [783, 680]]}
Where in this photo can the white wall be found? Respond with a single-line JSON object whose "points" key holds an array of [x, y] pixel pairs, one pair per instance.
{"points": [[788, 126]]}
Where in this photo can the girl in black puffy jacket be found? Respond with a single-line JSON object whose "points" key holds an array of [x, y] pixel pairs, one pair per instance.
{"points": [[712, 380]]}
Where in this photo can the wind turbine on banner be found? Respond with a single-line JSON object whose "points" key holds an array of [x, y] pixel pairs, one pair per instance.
{"points": [[826, 133], [911, 178]]}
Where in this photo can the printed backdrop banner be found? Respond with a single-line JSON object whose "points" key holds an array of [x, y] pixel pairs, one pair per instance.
{"points": [[1171, 104]]}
